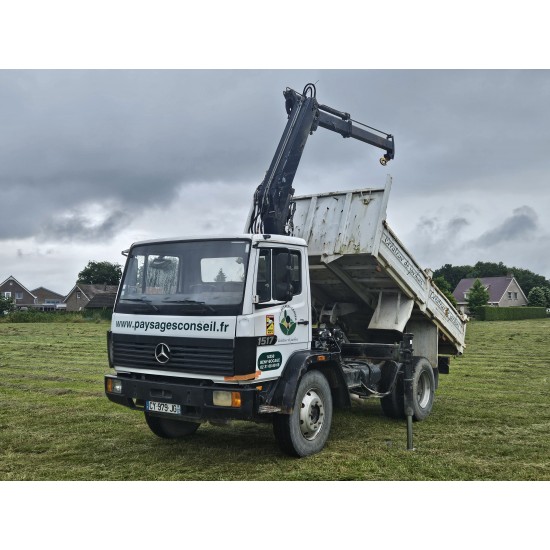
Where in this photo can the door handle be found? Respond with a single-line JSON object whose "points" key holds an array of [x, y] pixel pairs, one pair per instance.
{"points": [[303, 322]]}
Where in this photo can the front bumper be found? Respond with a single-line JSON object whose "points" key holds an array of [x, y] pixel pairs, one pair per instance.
{"points": [[196, 401]]}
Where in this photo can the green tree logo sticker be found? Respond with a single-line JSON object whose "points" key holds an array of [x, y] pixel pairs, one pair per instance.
{"points": [[287, 320]]}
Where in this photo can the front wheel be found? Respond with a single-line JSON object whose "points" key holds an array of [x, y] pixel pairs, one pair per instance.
{"points": [[168, 428], [305, 431]]}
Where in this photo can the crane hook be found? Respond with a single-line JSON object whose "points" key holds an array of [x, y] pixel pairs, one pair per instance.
{"points": [[310, 88]]}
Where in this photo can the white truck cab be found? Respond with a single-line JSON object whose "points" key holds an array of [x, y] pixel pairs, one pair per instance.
{"points": [[211, 300]]}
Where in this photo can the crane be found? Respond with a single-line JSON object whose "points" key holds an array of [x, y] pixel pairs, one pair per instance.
{"points": [[273, 207]]}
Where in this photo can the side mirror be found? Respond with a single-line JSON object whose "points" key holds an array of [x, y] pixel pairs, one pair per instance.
{"points": [[289, 293]]}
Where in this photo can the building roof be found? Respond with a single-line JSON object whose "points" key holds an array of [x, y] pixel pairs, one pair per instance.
{"points": [[57, 295], [92, 290], [22, 286], [496, 286], [102, 300]]}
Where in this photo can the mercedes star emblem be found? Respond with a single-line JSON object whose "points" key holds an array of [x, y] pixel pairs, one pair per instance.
{"points": [[162, 353]]}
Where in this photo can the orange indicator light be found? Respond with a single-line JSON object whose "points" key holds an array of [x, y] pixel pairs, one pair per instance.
{"points": [[235, 399]]}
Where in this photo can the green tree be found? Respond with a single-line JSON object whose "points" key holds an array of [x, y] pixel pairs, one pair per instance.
{"points": [[488, 269], [547, 294], [445, 287], [478, 296], [453, 274], [537, 297], [6, 304], [98, 273], [221, 277]]}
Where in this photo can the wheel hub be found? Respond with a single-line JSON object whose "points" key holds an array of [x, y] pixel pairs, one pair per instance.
{"points": [[312, 412], [423, 390]]}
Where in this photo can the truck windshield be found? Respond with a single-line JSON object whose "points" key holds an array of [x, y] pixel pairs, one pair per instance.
{"points": [[185, 278]]}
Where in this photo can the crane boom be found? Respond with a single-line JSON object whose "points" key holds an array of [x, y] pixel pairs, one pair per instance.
{"points": [[273, 206]]}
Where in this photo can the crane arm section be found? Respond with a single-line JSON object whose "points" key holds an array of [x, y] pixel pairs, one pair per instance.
{"points": [[273, 206]]}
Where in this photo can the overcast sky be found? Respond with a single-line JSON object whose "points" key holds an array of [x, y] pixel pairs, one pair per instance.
{"points": [[91, 161]]}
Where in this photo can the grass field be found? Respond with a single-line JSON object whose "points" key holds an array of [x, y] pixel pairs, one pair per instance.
{"points": [[491, 419]]}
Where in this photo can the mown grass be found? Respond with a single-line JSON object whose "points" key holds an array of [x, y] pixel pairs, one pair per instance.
{"points": [[491, 419]]}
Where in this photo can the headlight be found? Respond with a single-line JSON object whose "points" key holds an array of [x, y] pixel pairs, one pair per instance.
{"points": [[112, 385], [226, 398]]}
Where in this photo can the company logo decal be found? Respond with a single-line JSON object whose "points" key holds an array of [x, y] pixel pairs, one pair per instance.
{"points": [[162, 353], [287, 320], [269, 325]]}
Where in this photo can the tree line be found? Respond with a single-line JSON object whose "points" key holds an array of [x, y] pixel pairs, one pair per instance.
{"points": [[536, 287]]}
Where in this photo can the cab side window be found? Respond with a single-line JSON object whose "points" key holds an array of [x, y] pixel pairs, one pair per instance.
{"points": [[295, 272], [279, 274], [263, 286]]}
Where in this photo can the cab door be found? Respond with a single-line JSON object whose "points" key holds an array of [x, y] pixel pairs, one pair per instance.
{"points": [[282, 307]]}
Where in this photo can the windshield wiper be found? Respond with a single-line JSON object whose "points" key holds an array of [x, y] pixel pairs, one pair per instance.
{"points": [[142, 300], [191, 303]]}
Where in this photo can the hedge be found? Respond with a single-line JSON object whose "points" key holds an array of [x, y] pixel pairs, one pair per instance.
{"points": [[42, 317], [488, 313], [104, 314]]}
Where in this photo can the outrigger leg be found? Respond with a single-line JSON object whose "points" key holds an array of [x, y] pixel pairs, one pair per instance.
{"points": [[408, 388]]}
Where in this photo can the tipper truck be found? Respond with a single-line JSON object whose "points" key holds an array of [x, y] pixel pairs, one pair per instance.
{"points": [[316, 302]]}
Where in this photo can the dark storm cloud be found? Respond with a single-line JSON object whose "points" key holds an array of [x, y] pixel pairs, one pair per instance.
{"points": [[121, 137], [456, 225], [78, 227], [132, 139], [442, 230], [520, 225], [435, 235]]}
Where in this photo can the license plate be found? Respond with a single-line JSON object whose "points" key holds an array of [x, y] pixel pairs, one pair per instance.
{"points": [[157, 406]]}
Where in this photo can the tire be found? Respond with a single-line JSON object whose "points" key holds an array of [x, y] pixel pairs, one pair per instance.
{"points": [[168, 428], [306, 430], [393, 405], [423, 388]]}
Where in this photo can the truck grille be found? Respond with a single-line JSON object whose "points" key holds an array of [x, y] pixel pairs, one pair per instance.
{"points": [[192, 355]]}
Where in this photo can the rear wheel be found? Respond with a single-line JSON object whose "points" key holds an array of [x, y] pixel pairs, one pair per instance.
{"points": [[393, 405], [306, 430], [169, 428], [423, 388]]}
